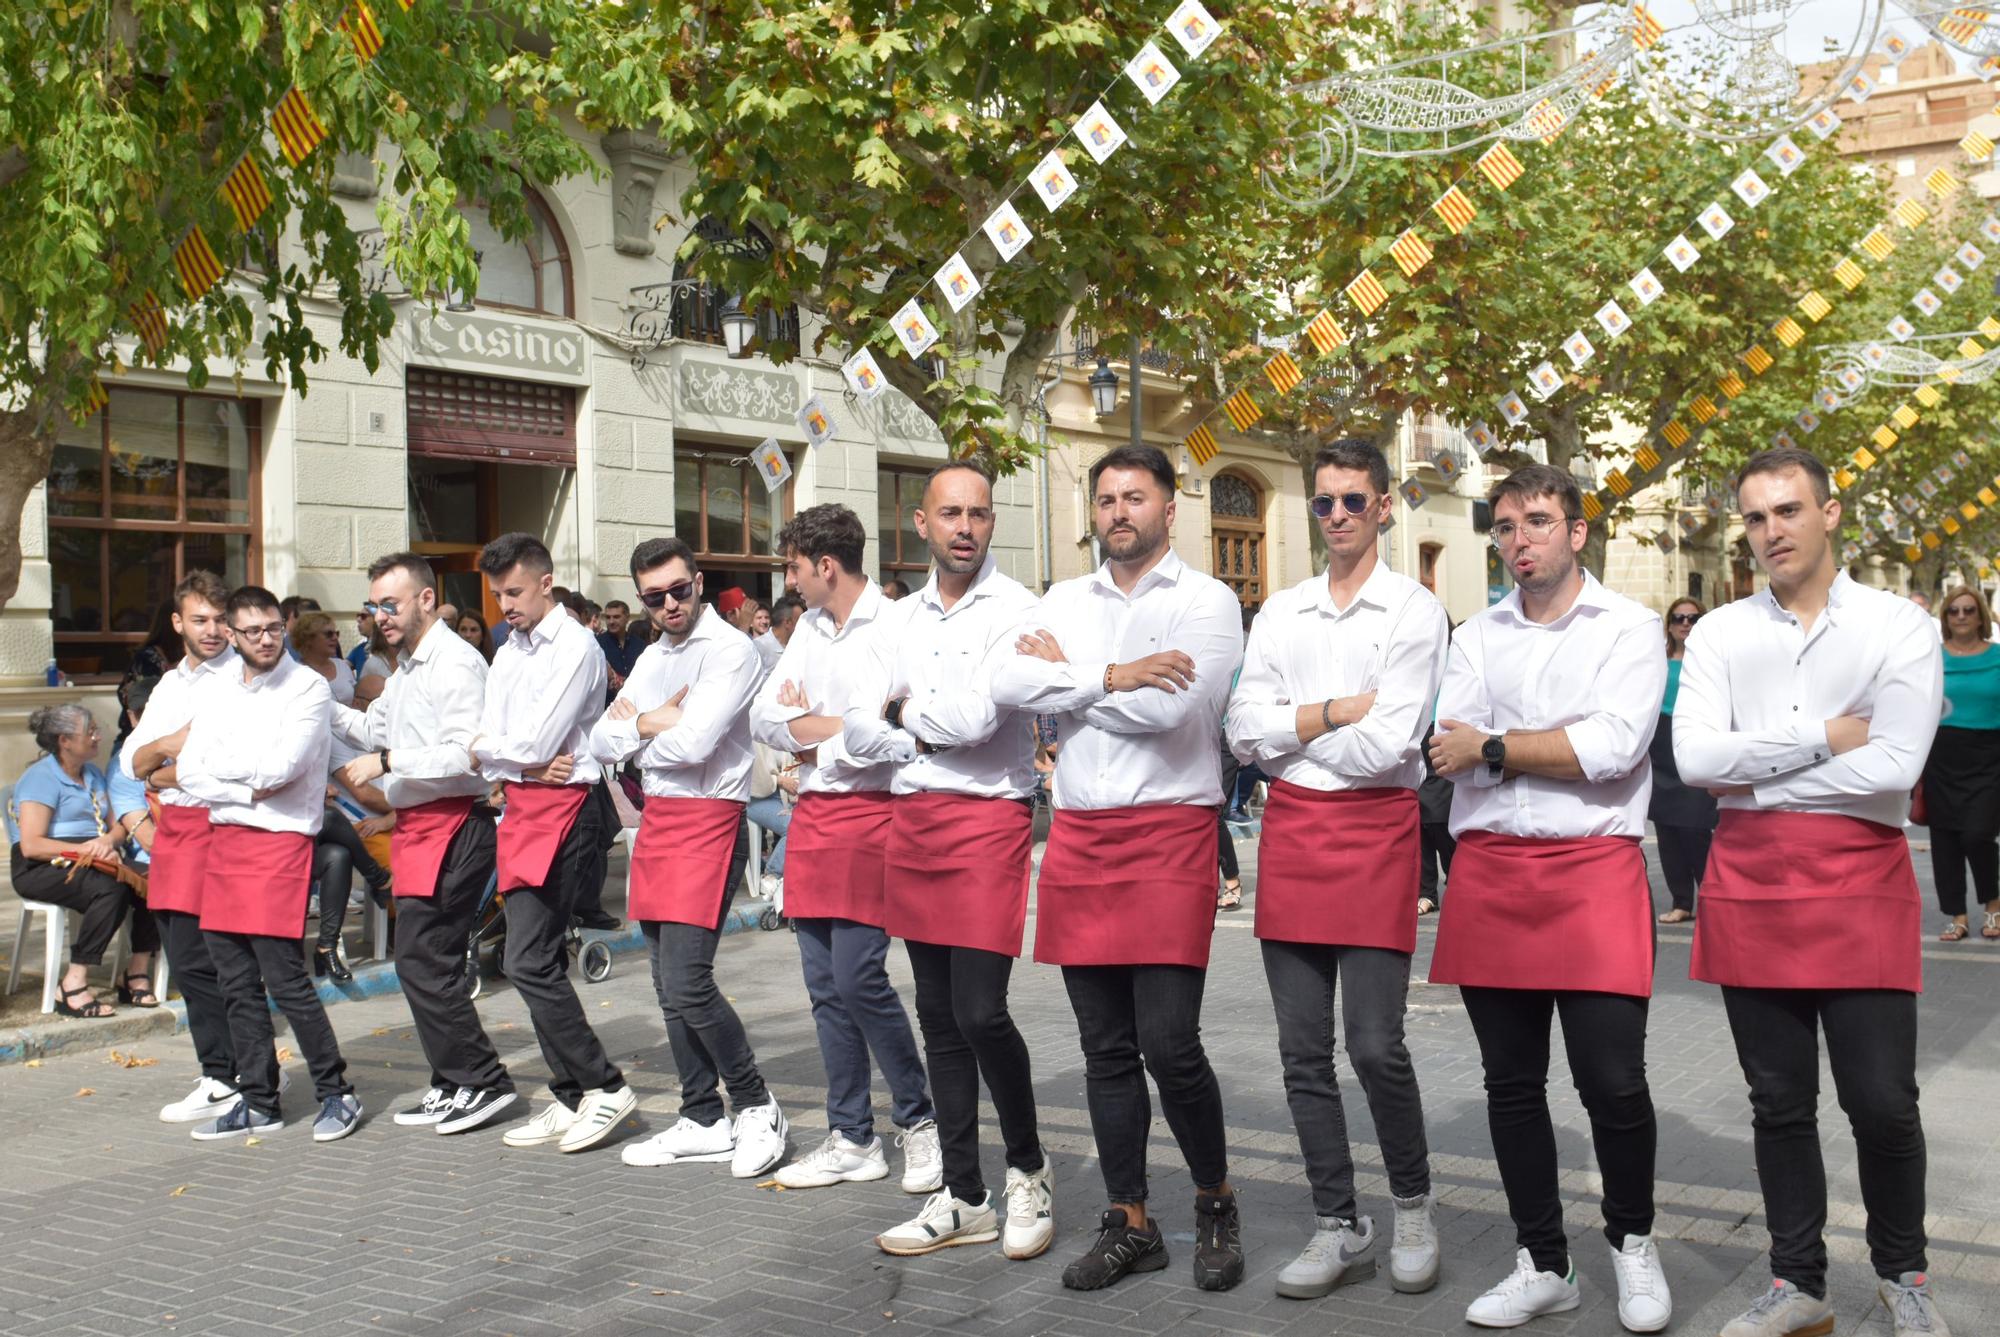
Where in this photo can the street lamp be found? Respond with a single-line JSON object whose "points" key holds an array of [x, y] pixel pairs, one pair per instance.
{"points": [[1104, 389], [738, 327]]}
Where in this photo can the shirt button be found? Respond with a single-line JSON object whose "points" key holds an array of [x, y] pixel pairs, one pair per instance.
{"points": [[1817, 757]]}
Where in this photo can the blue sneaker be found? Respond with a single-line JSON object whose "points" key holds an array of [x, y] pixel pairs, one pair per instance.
{"points": [[239, 1120], [338, 1116]]}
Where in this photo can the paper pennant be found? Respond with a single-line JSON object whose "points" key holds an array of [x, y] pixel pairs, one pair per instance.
{"points": [[1879, 244], [1243, 411], [1827, 399], [246, 192], [150, 321], [1875, 355], [1283, 373], [1864, 459], [1617, 483], [1895, 46], [1750, 189], [1682, 253], [1785, 155], [1454, 210], [1784, 439], [1970, 349], [1715, 221], [1824, 123], [1848, 274], [1152, 74], [299, 131], [1604, 85], [1646, 29], [1647, 288], [1910, 214], [1927, 301], [1815, 306], [1904, 417], [1613, 318], [1910, 505], [815, 421], [1447, 466], [1948, 279], [772, 464], [1499, 166], [1646, 458], [1413, 493], [1006, 231], [1592, 507], [1665, 539], [1884, 436], [359, 25], [1850, 378], [1579, 349], [1968, 510], [957, 282], [1990, 230], [1987, 68], [95, 398], [1201, 446], [1976, 147], [1674, 434], [1970, 256], [1512, 408], [1807, 421], [1942, 184], [1900, 328], [1861, 87], [1755, 358], [1931, 540], [1788, 331], [1546, 121], [1367, 293], [1100, 135], [1482, 439], [1052, 181], [864, 375], [1193, 27], [196, 265], [1990, 327], [1410, 252], [1325, 333], [1730, 384], [1701, 408], [1544, 380], [1928, 396], [1987, 497], [914, 328], [1949, 525]]}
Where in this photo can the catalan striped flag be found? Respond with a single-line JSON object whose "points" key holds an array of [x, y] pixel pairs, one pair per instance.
{"points": [[1546, 120], [195, 263], [1884, 436], [1646, 458], [1646, 29], [246, 192], [1410, 251], [1282, 373], [150, 321], [1976, 147], [1843, 478], [1848, 273], [1879, 244], [1990, 327], [1864, 459], [1932, 541], [1325, 333], [299, 131], [1592, 507], [1987, 497], [1755, 358], [1910, 214], [1949, 524], [1367, 293], [1929, 397], [1913, 553], [1815, 306], [1949, 373], [1731, 384], [1703, 408], [1904, 417], [1242, 410], [1499, 166], [361, 29], [1454, 210], [1969, 511], [95, 397], [1201, 446], [1971, 348], [1941, 184], [1674, 434], [1789, 331], [1963, 25], [1617, 483], [1604, 85]]}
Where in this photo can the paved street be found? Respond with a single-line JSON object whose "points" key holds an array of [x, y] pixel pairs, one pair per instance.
{"points": [[114, 1223]]}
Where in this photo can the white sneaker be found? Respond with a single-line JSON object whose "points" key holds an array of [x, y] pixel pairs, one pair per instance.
{"points": [[1644, 1303], [1912, 1309], [598, 1117], [208, 1099], [1783, 1311], [1526, 1293], [767, 887], [923, 1158], [1031, 1211], [837, 1161], [548, 1126], [685, 1141], [943, 1222], [1414, 1255], [761, 1139]]}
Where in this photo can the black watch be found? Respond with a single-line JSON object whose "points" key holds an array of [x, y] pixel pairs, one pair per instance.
{"points": [[893, 712], [383, 753], [1494, 753]]}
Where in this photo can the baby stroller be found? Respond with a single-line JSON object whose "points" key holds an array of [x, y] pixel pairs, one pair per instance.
{"points": [[489, 935]]}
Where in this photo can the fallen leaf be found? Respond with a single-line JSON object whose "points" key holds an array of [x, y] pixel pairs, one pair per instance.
{"points": [[87, 1091], [655, 1292], [284, 1054], [131, 1060], [175, 1194], [32, 1063], [380, 1030], [605, 1003]]}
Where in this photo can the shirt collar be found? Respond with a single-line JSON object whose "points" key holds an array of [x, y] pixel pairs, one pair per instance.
{"points": [[227, 659], [425, 644], [545, 631], [63, 777], [1837, 595], [1166, 571], [1374, 592], [932, 599], [1593, 596]]}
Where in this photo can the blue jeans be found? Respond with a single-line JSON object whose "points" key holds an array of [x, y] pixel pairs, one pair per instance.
{"points": [[771, 814], [855, 1010]]}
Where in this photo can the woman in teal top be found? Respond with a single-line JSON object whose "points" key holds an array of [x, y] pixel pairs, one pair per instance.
{"points": [[1683, 817], [1961, 784]]}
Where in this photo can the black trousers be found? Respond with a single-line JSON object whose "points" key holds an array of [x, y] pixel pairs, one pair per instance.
{"points": [[99, 900], [249, 967], [1434, 859], [537, 920], [432, 933], [1605, 1037], [1225, 843], [338, 854], [1951, 851], [1134, 1020], [1871, 1044], [590, 889], [969, 1034], [201, 991], [707, 1039], [1683, 860]]}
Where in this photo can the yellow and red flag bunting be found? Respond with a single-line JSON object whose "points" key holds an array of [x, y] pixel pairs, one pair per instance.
{"points": [[1928, 397], [1904, 417], [1242, 410], [1592, 507], [1941, 184], [195, 262], [1971, 348], [1976, 146], [1963, 25], [150, 321], [246, 192], [1931, 540], [1411, 252], [1546, 120], [1604, 85], [1910, 214], [1879, 244], [299, 131], [1969, 511], [1454, 210], [1283, 373], [1815, 306], [1499, 166], [1884, 436], [1367, 293], [1789, 331], [1990, 327], [360, 27], [1849, 274], [1201, 446], [1755, 358], [1864, 459], [1731, 384], [1949, 525], [1646, 458], [1674, 434], [96, 398], [1949, 373], [1987, 497], [1703, 408], [1617, 482], [1325, 333], [1646, 29], [1843, 478]]}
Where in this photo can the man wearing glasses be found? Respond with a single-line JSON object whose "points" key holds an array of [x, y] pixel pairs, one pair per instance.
{"points": [[413, 742], [1549, 702], [684, 713], [1335, 696]]}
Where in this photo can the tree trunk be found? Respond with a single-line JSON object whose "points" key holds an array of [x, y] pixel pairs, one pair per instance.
{"points": [[27, 443]]}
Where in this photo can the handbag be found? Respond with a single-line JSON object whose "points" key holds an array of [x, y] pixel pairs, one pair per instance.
{"points": [[1920, 811]]}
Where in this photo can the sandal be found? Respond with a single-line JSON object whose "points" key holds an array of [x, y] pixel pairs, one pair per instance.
{"points": [[1677, 916], [1231, 897], [98, 1007], [1426, 906], [1992, 929], [137, 997], [1955, 932]]}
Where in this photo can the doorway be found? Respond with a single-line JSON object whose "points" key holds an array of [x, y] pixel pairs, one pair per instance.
{"points": [[458, 506]]}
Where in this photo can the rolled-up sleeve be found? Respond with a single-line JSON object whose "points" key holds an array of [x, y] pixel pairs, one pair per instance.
{"points": [[574, 682], [1908, 697], [1462, 696], [1393, 728], [1613, 739], [771, 723], [1212, 636]]}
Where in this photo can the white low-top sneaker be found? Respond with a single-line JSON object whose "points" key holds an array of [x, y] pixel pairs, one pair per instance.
{"points": [[761, 1140], [208, 1099], [546, 1127], [685, 1141], [1526, 1293], [1912, 1309], [1783, 1311], [598, 1117], [1338, 1253], [1414, 1254], [943, 1222], [1644, 1303], [923, 1158], [837, 1161], [1031, 1211]]}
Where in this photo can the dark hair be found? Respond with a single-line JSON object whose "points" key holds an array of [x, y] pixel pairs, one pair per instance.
{"points": [[250, 598], [899, 585], [826, 530], [1784, 459], [421, 573], [969, 466], [1667, 622], [1540, 480], [508, 551], [785, 608], [485, 646], [162, 636], [618, 604], [203, 585], [1357, 453], [1150, 458], [1984, 609], [579, 607], [658, 552]]}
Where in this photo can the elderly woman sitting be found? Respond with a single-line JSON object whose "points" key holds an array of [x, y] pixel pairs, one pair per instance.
{"points": [[69, 856]]}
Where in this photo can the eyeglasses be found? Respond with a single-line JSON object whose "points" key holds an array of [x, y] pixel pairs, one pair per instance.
{"points": [[1963, 610], [680, 593], [1356, 503], [385, 608], [1685, 619], [1534, 529], [273, 631]]}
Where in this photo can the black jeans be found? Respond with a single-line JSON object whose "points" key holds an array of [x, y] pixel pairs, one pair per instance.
{"points": [[1605, 1037], [706, 1036], [590, 881], [1225, 843], [1951, 851], [537, 963], [969, 1034], [99, 900], [1126, 1014], [338, 854], [432, 934], [201, 991], [1375, 986], [1871, 1044], [250, 966], [1683, 860], [1434, 859]]}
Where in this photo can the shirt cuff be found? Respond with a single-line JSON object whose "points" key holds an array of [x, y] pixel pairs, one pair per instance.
{"points": [[1098, 672], [1278, 726]]}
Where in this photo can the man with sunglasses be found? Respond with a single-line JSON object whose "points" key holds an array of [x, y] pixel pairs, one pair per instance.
{"points": [[1809, 709], [1335, 695], [684, 713], [413, 742], [1548, 706]]}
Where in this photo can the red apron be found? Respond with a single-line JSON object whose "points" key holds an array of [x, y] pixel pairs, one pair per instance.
{"points": [[1339, 868], [1568, 915], [680, 860], [257, 882], [180, 859], [532, 827], [419, 841], [833, 857], [1128, 886], [957, 871], [1797, 900]]}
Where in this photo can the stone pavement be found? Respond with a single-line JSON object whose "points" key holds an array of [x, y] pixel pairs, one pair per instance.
{"points": [[114, 1223]]}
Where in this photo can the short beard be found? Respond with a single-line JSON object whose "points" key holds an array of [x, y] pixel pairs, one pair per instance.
{"points": [[1144, 545], [1547, 578], [957, 566]]}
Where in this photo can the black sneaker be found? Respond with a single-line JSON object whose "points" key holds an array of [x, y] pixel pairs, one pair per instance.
{"points": [[473, 1106], [1218, 1242], [1119, 1249], [429, 1111], [599, 922]]}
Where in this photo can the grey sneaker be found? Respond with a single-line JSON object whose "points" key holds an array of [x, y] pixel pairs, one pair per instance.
{"points": [[1339, 1252], [239, 1120], [1414, 1253], [1783, 1311], [1912, 1309], [338, 1116]]}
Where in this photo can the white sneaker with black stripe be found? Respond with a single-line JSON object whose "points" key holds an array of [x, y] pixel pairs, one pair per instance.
{"points": [[429, 1111], [598, 1117], [944, 1222]]}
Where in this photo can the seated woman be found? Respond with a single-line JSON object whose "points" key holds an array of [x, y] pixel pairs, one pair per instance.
{"points": [[68, 850]]}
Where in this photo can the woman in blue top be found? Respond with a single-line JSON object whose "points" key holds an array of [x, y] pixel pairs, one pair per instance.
{"points": [[62, 810], [1961, 782], [1683, 817]]}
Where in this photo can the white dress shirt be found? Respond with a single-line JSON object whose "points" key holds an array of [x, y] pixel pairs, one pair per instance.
{"points": [[543, 692], [1599, 673], [842, 672], [707, 754], [768, 649], [427, 715], [271, 733], [1757, 690], [1123, 749], [173, 705], [1390, 640]]}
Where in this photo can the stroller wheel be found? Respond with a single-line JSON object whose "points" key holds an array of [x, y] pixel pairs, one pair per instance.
{"points": [[475, 979], [769, 920], [596, 960]]}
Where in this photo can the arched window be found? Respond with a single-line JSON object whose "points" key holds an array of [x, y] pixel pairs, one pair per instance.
{"points": [[1236, 512], [531, 274], [698, 307]]}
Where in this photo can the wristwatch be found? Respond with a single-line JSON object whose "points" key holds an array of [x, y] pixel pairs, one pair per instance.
{"points": [[384, 755], [893, 712], [1494, 753]]}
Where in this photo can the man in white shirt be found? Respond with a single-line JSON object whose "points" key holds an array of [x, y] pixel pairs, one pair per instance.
{"points": [[543, 692], [1809, 708], [256, 754], [833, 668], [412, 743], [958, 865], [1336, 691], [1548, 705], [1135, 660], [684, 713]]}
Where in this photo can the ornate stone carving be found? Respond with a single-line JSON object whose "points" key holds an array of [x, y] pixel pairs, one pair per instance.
{"points": [[738, 392], [901, 417], [637, 161]]}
